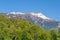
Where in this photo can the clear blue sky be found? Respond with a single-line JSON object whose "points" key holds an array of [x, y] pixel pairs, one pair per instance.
{"points": [[50, 8]]}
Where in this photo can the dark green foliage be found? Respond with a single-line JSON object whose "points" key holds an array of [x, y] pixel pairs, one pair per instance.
{"points": [[21, 29], [53, 35]]}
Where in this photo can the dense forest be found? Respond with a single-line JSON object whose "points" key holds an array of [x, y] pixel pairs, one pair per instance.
{"points": [[21, 29]]}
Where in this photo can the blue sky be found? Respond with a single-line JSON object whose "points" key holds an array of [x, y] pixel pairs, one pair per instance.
{"points": [[50, 8]]}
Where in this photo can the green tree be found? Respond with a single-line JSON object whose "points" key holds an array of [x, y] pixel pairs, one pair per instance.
{"points": [[53, 35]]}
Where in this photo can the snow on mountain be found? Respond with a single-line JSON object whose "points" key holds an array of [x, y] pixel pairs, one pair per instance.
{"points": [[15, 13], [40, 15]]}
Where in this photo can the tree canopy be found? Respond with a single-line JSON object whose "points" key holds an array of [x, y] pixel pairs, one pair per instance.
{"points": [[21, 29]]}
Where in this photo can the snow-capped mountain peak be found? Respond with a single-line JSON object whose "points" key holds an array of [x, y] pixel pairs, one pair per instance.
{"points": [[40, 15], [36, 18]]}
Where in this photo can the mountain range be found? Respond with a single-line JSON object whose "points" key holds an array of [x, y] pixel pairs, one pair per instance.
{"points": [[36, 18]]}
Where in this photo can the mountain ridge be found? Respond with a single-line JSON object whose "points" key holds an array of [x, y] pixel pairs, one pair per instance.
{"points": [[39, 14]]}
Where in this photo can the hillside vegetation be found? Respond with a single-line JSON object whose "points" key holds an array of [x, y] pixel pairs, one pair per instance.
{"points": [[21, 29]]}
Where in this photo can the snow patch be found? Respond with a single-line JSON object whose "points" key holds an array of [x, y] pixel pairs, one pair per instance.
{"points": [[15, 13], [40, 15]]}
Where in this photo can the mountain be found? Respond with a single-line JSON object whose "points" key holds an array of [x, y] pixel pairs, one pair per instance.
{"points": [[36, 18]]}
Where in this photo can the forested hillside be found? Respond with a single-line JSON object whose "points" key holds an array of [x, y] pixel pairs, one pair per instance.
{"points": [[21, 29]]}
